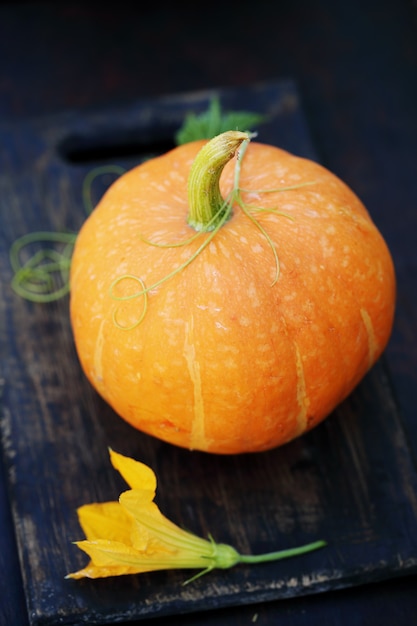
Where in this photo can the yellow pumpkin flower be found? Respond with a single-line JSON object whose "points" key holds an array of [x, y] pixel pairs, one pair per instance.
{"points": [[132, 536]]}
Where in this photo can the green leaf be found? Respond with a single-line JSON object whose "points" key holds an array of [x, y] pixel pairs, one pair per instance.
{"points": [[214, 121]]}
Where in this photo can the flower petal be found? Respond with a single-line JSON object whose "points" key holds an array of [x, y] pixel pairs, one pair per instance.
{"points": [[91, 571], [136, 474], [110, 558], [107, 520], [149, 519]]}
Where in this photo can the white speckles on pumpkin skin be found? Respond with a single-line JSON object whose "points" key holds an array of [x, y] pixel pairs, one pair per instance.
{"points": [[311, 213], [176, 176], [230, 363], [220, 326], [212, 278], [289, 297], [177, 199], [172, 340], [327, 249], [228, 348], [161, 187], [170, 299], [159, 368], [257, 248], [263, 347], [159, 236], [112, 252], [253, 297], [224, 250], [286, 207]]}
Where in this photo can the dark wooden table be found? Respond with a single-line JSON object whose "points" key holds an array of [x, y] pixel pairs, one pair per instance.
{"points": [[355, 65]]}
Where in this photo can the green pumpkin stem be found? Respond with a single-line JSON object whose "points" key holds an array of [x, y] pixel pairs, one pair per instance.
{"points": [[207, 207]]}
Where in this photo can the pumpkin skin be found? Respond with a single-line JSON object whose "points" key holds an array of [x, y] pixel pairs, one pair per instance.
{"points": [[224, 361]]}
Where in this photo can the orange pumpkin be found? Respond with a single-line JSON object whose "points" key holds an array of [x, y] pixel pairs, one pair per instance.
{"points": [[228, 302]]}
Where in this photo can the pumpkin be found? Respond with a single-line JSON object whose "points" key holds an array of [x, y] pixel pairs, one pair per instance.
{"points": [[228, 295]]}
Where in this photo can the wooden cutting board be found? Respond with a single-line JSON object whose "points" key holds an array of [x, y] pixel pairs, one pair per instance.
{"points": [[351, 481]]}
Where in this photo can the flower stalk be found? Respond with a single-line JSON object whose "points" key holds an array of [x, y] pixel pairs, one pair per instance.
{"points": [[132, 536]]}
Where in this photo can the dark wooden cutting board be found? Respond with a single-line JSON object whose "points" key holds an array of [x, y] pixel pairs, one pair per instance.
{"points": [[352, 481]]}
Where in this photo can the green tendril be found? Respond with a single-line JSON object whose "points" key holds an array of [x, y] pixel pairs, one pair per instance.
{"points": [[249, 209], [89, 179], [44, 276], [143, 292], [280, 189]]}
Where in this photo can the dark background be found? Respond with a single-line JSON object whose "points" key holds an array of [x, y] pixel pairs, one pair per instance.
{"points": [[355, 64]]}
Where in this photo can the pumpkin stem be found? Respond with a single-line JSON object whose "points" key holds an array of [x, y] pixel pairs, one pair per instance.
{"points": [[207, 207]]}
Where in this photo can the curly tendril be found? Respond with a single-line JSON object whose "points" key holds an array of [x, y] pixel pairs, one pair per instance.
{"points": [[42, 275], [142, 293], [89, 179], [145, 290]]}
